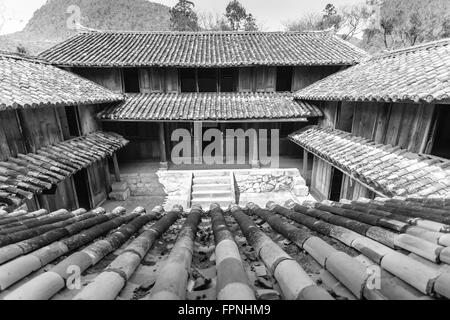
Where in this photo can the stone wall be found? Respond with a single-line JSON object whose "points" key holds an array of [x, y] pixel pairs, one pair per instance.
{"points": [[175, 185], [271, 180], [144, 184]]}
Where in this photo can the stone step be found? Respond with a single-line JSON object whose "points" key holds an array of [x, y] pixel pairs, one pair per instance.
{"points": [[212, 180], [220, 173], [209, 187], [211, 194], [224, 202]]}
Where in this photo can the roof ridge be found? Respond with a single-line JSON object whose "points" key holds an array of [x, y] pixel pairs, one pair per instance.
{"points": [[421, 46], [324, 32], [19, 56]]}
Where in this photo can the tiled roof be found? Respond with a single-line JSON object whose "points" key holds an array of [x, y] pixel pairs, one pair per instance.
{"points": [[325, 249], [388, 170], [25, 175], [418, 74], [203, 49], [28, 82], [209, 106]]}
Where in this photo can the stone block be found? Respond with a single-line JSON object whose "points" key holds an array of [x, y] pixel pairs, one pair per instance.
{"points": [[119, 186], [300, 191], [120, 195]]}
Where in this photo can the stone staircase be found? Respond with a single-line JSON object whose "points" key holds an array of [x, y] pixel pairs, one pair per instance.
{"points": [[213, 187]]}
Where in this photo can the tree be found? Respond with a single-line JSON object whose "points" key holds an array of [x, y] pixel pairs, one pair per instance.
{"points": [[330, 19], [236, 15], [408, 22], [250, 23], [21, 49], [354, 19], [238, 18], [183, 16], [212, 22], [307, 22]]}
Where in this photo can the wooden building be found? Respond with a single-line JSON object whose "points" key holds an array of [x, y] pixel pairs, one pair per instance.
{"points": [[52, 152], [221, 79], [388, 113]]}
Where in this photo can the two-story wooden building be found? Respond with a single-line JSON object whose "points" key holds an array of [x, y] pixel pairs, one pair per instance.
{"points": [[385, 129], [225, 80], [52, 152]]}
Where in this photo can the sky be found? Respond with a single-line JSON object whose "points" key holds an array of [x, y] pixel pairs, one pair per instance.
{"points": [[271, 14]]}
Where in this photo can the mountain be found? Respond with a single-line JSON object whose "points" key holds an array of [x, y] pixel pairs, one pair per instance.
{"points": [[48, 25]]}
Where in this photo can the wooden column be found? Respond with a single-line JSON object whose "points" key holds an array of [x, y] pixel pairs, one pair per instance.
{"points": [[162, 147], [305, 163], [116, 167]]}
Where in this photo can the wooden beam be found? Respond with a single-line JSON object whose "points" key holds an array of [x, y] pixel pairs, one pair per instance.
{"points": [[116, 167]]}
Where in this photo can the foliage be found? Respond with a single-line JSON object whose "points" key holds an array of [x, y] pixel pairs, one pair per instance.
{"points": [[238, 18], [347, 21], [183, 16], [408, 22], [21, 49]]}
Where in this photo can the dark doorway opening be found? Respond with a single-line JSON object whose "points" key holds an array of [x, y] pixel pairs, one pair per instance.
{"points": [[284, 78], [441, 144], [228, 80], [81, 186], [131, 80], [188, 80], [336, 185], [207, 80], [72, 121]]}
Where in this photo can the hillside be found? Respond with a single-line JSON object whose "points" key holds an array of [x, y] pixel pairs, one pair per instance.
{"points": [[48, 25]]}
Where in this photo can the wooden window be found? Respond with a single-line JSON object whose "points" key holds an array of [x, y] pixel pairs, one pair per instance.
{"points": [[151, 80], [245, 80], [284, 78], [265, 79], [73, 121], [171, 80], [344, 116], [188, 80], [441, 137], [207, 80], [131, 80], [229, 79], [336, 184]]}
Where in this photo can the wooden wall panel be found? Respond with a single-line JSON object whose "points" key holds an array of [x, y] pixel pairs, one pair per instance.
{"points": [[352, 190], [329, 109], [321, 179], [63, 198], [11, 140], [88, 124], [305, 75], [40, 128], [404, 125], [97, 186], [110, 78]]}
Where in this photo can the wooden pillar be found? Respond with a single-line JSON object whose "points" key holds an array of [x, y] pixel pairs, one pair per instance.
{"points": [[305, 164], [116, 167], [162, 147]]}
